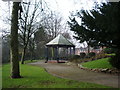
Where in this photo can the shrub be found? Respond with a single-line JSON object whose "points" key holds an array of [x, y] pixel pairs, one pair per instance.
{"points": [[74, 58], [115, 62], [99, 56], [109, 50], [91, 54], [82, 55]]}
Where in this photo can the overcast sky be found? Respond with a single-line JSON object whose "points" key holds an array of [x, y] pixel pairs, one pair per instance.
{"points": [[67, 6], [64, 7]]}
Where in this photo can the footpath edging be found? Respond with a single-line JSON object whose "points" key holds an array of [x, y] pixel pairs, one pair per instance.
{"points": [[105, 70]]}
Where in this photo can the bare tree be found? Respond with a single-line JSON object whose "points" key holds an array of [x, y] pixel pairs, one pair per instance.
{"points": [[32, 18], [28, 23], [52, 24]]}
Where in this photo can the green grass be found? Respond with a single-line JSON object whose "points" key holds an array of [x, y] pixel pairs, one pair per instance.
{"points": [[30, 61], [113, 54], [100, 63], [0, 76], [37, 77]]}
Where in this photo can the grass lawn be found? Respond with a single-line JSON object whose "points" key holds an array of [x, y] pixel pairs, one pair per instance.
{"points": [[30, 61], [0, 76], [100, 63], [37, 77], [113, 54]]}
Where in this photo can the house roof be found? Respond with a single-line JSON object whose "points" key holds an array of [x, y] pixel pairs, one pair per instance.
{"points": [[60, 41]]}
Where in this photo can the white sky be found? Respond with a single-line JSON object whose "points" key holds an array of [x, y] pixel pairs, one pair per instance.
{"points": [[64, 7], [67, 6]]}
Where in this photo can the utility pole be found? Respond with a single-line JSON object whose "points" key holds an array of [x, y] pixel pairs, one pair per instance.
{"points": [[15, 71]]}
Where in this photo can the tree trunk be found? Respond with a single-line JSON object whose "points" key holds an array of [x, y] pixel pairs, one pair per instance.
{"points": [[24, 50], [88, 48], [15, 72], [23, 55]]}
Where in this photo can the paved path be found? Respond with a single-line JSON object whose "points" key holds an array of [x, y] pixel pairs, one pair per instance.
{"points": [[75, 73]]}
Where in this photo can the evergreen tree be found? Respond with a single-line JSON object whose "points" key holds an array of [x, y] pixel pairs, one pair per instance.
{"points": [[100, 26]]}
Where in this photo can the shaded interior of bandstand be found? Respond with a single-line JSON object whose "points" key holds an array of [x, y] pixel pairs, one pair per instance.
{"points": [[59, 53]]}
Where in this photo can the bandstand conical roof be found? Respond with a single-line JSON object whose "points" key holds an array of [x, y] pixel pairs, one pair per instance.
{"points": [[60, 41]]}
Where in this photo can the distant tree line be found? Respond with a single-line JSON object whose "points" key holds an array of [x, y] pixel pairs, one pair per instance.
{"points": [[36, 28]]}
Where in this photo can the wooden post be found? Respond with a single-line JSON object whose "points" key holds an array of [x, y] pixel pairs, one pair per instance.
{"points": [[57, 54], [70, 50], [73, 50], [52, 53], [46, 55], [67, 54]]}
